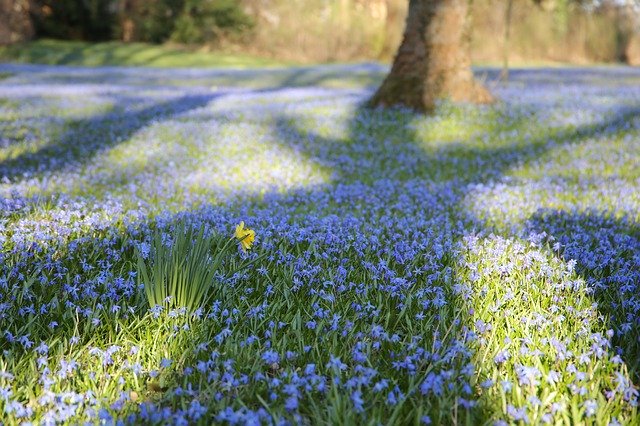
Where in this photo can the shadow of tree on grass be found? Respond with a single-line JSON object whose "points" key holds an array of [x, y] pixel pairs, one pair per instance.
{"points": [[86, 137], [381, 150], [455, 168]]}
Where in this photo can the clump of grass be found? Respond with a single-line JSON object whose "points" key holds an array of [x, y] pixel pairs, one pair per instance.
{"points": [[181, 268]]}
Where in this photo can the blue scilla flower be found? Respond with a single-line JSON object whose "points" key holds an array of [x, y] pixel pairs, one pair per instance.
{"points": [[270, 357]]}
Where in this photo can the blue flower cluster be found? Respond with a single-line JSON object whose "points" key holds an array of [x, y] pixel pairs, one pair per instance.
{"points": [[478, 265]]}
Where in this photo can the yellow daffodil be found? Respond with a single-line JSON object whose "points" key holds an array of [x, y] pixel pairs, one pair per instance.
{"points": [[245, 236]]}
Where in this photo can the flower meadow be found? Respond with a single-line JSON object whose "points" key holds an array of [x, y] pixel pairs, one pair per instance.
{"points": [[477, 266]]}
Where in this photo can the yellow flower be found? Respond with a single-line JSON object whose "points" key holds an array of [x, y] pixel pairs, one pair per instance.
{"points": [[245, 236]]}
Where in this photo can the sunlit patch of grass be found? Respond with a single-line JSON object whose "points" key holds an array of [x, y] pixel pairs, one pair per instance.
{"points": [[454, 124], [21, 139], [609, 157], [223, 159], [58, 52], [527, 307], [597, 172], [9, 104]]}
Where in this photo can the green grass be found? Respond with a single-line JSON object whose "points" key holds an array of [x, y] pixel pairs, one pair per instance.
{"points": [[365, 221], [58, 52]]}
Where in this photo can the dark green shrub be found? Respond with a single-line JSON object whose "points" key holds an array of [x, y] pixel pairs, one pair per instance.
{"points": [[203, 21], [155, 19], [75, 19]]}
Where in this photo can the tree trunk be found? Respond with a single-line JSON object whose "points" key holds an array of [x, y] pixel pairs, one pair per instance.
{"points": [[433, 61], [504, 74], [126, 10], [15, 21]]}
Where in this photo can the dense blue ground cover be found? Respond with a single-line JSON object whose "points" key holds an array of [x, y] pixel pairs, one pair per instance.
{"points": [[480, 265]]}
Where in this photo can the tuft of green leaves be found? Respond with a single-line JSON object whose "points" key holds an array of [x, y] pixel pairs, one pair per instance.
{"points": [[181, 266]]}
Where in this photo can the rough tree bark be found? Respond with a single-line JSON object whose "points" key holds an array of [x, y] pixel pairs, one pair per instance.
{"points": [[15, 22], [433, 60]]}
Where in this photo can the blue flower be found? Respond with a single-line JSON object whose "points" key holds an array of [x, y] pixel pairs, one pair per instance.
{"points": [[270, 357], [358, 402]]}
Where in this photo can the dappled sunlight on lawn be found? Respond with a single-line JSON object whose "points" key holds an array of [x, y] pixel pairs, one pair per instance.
{"points": [[464, 267]]}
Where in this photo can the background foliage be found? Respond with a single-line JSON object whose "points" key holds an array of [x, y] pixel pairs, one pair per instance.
{"points": [[578, 31], [156, 21]]}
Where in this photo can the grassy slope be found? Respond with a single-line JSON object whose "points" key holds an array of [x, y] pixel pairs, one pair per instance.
{"points": [[62, 52], [57, 52]]}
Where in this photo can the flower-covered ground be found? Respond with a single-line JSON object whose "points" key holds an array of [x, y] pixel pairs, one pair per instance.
{"points": [[477, 266]]}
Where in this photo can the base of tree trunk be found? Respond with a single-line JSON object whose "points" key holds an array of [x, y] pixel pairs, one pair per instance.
{"points": [[433, 62], [407, 92]]}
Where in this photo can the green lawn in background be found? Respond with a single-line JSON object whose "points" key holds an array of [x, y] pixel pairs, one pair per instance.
{"points": [[58, 52]]}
